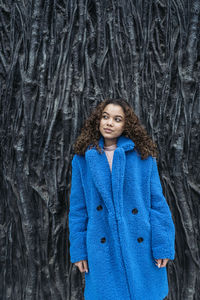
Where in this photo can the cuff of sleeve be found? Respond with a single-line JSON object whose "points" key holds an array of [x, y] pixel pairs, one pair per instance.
{"points": [[161, 253], [77, 258], [78, 250]]}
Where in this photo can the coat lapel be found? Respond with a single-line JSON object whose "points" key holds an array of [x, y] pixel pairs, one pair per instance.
{"points": [[110, 186]]}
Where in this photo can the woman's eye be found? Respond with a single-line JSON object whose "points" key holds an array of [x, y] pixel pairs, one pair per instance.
{"points": [[117, 119]]}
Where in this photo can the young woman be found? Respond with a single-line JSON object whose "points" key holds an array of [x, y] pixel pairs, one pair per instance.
{"points": [[121, 229]]}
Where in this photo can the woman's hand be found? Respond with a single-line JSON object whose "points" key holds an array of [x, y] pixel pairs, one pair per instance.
{"points": [[82, 265], [161, 262]]}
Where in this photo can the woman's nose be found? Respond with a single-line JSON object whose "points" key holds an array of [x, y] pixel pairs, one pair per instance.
{"points": [[110, 122]]}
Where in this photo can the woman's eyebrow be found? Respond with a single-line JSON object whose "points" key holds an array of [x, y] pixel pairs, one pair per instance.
{"points": [[115, 116]]}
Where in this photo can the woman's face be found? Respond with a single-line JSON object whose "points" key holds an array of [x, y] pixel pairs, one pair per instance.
{"points": [[113, 118]]}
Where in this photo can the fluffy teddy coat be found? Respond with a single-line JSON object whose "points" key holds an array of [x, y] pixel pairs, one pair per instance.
{"points": [[120, 221]]}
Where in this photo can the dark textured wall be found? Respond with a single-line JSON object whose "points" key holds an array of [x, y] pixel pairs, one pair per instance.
{"points": [[58, 59]]}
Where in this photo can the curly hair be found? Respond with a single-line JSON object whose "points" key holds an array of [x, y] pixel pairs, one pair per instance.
{"points": [[133, 129]]}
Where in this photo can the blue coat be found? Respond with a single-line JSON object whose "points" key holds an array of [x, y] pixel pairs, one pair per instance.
{"points": [[120, 222]]}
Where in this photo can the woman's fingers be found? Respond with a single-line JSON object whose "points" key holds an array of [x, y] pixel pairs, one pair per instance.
{"points": [[164, 262], [158, 262], [85, 266], [82, 265], [161, 262], [79, 264]]}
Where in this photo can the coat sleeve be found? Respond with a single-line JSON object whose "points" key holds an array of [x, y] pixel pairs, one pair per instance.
{"points": [[78, 216], [162, 226]]}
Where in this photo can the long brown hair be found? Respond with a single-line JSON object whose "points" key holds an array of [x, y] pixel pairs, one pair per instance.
{"points": [[133, 129]]}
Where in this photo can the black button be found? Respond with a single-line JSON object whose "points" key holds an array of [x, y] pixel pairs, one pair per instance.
{"points": [[103, 239], [99, 207], [140, 239], [134, 211]]}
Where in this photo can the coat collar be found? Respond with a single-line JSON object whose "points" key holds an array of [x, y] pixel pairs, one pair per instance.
{"points": [[122, 141], [109, 185]]}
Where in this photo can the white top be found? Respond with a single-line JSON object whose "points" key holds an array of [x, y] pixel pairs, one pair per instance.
{"points": [[109, 151]]}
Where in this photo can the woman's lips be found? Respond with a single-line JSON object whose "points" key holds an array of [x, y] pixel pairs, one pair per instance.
{"points": [[107, 130]]}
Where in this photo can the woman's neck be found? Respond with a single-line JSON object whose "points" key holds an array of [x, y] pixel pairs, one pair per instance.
{"points": [[110, 142]]}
